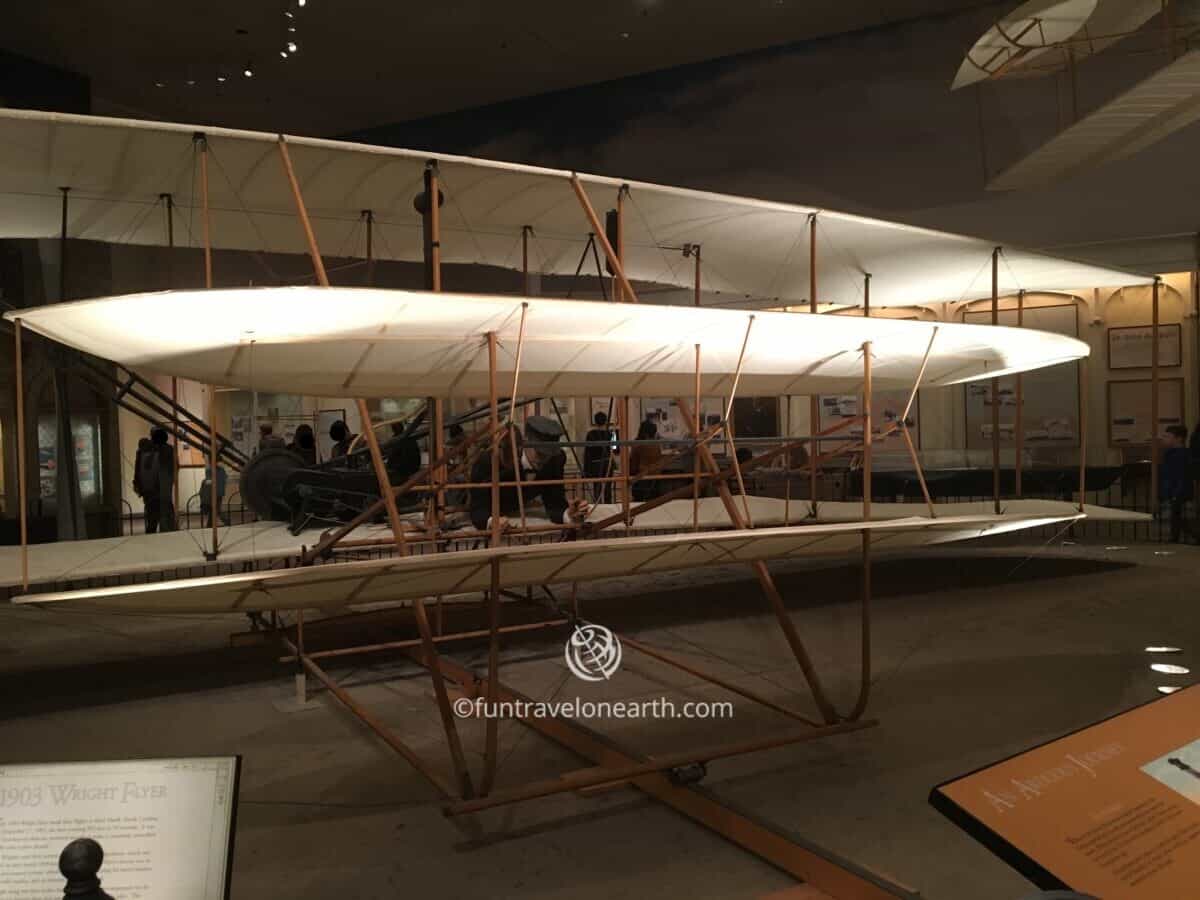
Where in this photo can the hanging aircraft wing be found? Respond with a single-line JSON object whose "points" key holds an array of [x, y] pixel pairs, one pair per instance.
{"points": [[399, 578], [363, 342], [1029, 31], [1152, 110], [755, 252]]}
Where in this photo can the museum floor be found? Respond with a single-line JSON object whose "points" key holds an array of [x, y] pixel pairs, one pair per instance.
{"points": [[978, 655]]}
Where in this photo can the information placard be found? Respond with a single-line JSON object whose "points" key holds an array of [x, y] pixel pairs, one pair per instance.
{"points": [[166, 826], [1112, 810]]}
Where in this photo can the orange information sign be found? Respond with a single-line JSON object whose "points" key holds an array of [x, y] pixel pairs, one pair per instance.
{"points": [[1112, 810]]}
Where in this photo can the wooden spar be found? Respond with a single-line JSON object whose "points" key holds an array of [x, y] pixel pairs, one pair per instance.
{"points": [[814, 403], [1083, 405], [1154, 410], [525, 285], [372, 722], [864, 685], [737, 375], [22, 487], [169, 206], [302, 214], [369, 217], [62, 247], [381, 475], [457, 759], [912, 450], [617, 291], [433, 197], [491, 738], [368, 430], [996, 386], [766, 581], [1019, 425], [598, 230], [205, 218], [512, 405], [494, 422], [866, 295], [624, 426], [696, 452], [696, 280]]}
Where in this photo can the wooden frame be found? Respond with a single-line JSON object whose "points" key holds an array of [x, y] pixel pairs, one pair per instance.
{"points": [[1164, 361], [1113, 414]]}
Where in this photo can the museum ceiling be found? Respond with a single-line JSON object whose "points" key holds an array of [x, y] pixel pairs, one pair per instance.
{"points": [[359, 63]]}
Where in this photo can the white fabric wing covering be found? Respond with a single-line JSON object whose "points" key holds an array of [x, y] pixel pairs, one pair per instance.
{"points": [[1022, 36], [372, 581], [754, 252], [336, 342]]}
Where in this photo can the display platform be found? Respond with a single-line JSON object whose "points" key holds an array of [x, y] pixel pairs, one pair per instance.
{"points": [[166, 826], [1111, 810]]}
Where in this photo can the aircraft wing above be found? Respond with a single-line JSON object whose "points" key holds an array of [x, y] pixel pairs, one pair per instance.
{"points": [[1026, 33], [754, 252], [363, 342], [399, 578], [1151, 110]]}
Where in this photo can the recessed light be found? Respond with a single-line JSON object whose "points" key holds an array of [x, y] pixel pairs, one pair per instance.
{"points": [[301, 2], [248, 72], [1167, 669], [288, 13], [292, 47], [221, 79], [160, 84], [624, 34], [1163, 649], [291, 29], [1167, 689], [191, 81], [283, 54]]}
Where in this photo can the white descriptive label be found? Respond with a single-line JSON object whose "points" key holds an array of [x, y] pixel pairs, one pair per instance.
{"points": [[164, 826]]}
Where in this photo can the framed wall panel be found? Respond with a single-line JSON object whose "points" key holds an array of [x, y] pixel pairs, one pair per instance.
{"points": [[1129, 410], [1130, 347]]}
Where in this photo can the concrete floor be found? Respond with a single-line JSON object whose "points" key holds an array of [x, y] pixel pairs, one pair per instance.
{"points": [[978, 654]]}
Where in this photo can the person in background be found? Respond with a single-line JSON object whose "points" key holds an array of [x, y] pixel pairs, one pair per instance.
{"points": [[268, 440], [341, 437], [144, 449], [1175, 481], [206, 496], [644, 459], [598, 457], [156, 479], [304, 444]]}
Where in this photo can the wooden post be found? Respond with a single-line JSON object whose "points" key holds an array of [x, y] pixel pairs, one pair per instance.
{"points": [[525, 229], [62, 248], [1019, 424], [169, 206], [206, 223], [494, 421], [618, 291], [1154, 410], [696, 451], [866, 295], [369, 216], [814, 402], [867, 436], [1083, 427], [627, 290], [996, 387], [433, 197], [22, 487], [696, 252], [864, 691]]}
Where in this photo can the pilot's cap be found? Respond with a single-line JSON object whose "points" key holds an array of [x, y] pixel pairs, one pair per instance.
{"points": [[542, 428]]}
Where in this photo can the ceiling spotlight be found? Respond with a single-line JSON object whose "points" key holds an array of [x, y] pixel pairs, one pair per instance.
{"points": [[160, 84], [292, 47], [191, 81], [1167, 689], [248, 71], [288, 13], [291, 29], [283, 54], [221, 79], [1167, 669], [301, 2], [624, 34]]}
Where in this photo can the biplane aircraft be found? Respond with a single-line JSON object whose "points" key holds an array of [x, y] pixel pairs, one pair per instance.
{"points": [[495, 353]]}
